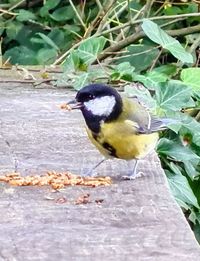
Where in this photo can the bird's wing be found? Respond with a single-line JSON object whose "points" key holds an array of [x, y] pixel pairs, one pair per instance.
{"points": [[140, 118], [136, 114]]}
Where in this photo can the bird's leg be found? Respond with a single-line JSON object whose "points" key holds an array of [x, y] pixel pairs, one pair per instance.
{"points": [[134, 174], [90, 172]]}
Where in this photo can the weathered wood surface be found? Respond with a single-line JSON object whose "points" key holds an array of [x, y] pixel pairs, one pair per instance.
{"points": [[138, 220]]}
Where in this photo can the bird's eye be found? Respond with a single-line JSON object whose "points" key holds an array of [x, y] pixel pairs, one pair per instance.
{"points": [[84, 97], [91, 96]]}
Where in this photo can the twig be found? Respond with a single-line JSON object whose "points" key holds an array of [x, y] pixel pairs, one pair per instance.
{"points": [[172, 22], [15, 80], [191, 29], [133, 38], [114, 16], [137, 15], [99, 4], [195, 44], [102, 12], [40, 70], [155, 60], [150, 18], [122, 44], [198, 59], [128, 55], [147, 8], [7, 12], [106, 10], [77, 14], [27, 81], [14, 6], [160, 8], [44, 81], [184, 31], [62, 57], [197, 117], [93, 25], [83, 7], [1, 56], [46, 27]]}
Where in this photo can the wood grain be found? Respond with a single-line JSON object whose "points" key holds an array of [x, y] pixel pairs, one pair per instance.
{"points": [[137, 220]]}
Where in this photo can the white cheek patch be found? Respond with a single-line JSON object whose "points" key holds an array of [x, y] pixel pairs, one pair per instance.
{"points": [[102, 106]]}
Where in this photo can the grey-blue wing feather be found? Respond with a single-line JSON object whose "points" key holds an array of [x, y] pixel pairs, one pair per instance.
{"points": [[146, 123], [158, 124]]}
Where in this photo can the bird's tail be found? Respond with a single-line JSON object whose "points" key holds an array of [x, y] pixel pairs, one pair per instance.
{"points": [[158, 124]]}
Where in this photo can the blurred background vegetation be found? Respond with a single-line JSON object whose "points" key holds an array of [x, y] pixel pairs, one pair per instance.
{"points": [[146, 48]]}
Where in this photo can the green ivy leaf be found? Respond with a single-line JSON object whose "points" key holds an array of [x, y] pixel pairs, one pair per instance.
{"points": [[81, 80], [157, 35], [168, 69], [48, 40], [151, 79], [176, 151], [64, 13], [158, 75], [74, 63], [173, 95], [25, 15], [2, 27], [122, 71], [190, 169], [180, 187], [140, 56], [49, 5], [193, 126], [21, 55], [58, 37], [89, 49], [172, 10], [87, 53], [142, 94], [46, 56], [190, 124], [191, 77], [13, 28]]}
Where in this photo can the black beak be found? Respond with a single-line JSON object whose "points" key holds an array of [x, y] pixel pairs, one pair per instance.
{"points": [[74, 104]]}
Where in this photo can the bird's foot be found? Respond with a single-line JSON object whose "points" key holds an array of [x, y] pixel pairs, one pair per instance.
{"points": [[133, 176], [91, 172]]}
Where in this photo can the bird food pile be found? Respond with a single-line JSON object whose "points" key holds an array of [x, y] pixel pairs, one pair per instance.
{"points": [[54, 179], [65, 106]]}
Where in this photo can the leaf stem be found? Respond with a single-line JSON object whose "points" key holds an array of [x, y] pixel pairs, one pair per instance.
{"points": [[150, 18], [77, 14], [135, 37]]}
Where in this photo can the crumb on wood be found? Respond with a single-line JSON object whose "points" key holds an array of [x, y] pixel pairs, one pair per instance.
{"points": [[57, 180]]}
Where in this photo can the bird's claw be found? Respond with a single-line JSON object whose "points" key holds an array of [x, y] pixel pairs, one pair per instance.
{"points": [[133, 176]]}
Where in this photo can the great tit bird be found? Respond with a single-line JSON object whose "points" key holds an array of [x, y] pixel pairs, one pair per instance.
{"points": [[119, 127]]}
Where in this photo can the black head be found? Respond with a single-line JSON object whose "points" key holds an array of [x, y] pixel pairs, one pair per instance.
{"points": [[99, 102]]}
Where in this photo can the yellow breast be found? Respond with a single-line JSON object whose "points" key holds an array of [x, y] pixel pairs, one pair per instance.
{"points": [[118, 139]]}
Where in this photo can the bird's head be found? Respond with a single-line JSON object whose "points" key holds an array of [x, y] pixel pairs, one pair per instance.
{"points": [[98, 102]]}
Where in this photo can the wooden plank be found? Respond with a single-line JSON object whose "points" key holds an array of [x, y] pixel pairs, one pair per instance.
{"points": [[138, 220]]}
